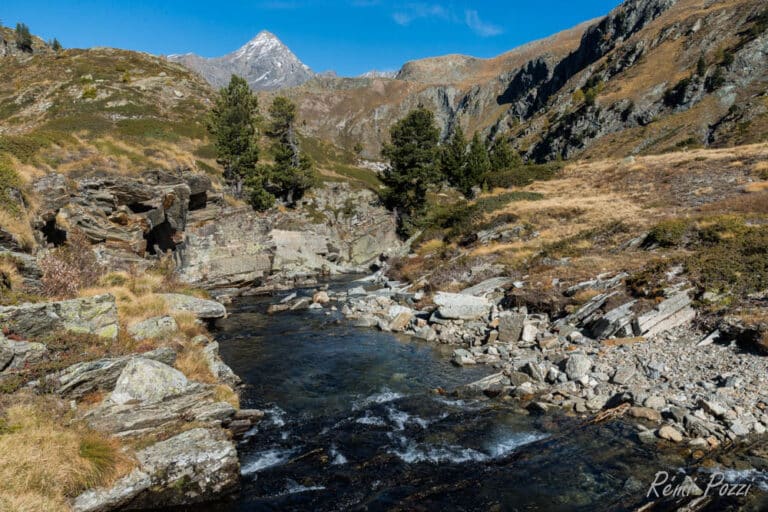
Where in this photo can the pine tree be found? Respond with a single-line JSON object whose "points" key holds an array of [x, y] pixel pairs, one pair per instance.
{"points": [[412, 154], [23, 38], [503, 156], [232, 123], [291, 174], [56, 45], [478, 164], [701, 66], [453, 157]]}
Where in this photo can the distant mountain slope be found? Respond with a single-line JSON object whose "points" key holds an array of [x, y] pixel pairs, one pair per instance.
{"points": [[264, 61], [651, 76]]}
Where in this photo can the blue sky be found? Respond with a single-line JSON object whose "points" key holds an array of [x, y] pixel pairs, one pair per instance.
{"points": [[348, 36]]}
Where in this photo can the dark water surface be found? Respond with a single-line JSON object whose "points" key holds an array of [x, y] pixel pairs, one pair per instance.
{"points": [[353, 424]]}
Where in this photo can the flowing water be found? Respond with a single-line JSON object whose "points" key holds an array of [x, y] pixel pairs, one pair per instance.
{"points": [[353, 423]]}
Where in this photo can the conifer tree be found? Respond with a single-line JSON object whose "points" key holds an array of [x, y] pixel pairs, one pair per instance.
{"points": [[412, 153], [23, 38], [232, 123]]}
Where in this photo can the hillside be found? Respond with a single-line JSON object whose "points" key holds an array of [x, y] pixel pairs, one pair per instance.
{"points": [[625, 84]]}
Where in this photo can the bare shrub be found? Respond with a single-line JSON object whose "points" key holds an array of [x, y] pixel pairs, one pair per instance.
{"points": [[69, 268]]}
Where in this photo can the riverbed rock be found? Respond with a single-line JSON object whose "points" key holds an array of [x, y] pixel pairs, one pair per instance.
{"points": [[204, 309], [90, 315], [455, 306], [645, 413], [577, 366], [321, 297], [147, 381], [192, 467], [670, 433], [157, 327], [462, 357], [510, 326]]}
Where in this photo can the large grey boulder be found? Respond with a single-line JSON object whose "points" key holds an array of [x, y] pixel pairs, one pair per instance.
{"points": [[617, 321], [488, 286], [90, 315], [157, 327], [87, 377], [202, 308], [456, 306], [147, 381], [195, 466]]}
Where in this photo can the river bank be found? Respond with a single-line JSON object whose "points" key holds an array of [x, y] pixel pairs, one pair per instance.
{"points": [[676, 383]]}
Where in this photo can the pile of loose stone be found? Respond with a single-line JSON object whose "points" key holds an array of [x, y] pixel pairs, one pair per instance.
{"points": [[650, 361]]}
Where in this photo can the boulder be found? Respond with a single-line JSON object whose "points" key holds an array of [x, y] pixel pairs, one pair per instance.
{"points": [[90, 315], [202, 308], [425, 333], [15, 355], [577, 366], [510, 326], [401, 321], [80, 379], [157, 327], [147, 381], [645, 413], [456, 306], [192, 467]]}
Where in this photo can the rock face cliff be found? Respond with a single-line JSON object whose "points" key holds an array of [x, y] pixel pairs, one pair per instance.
{"points": [[131, 220], [334, 230], [264, 61]]}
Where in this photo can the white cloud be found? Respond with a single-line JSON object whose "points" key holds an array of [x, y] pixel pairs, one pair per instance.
{"points": [[478, 26], [411, 12]]}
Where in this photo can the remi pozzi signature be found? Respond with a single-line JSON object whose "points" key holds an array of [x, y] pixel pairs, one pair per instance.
{"points": [[680, 485]]}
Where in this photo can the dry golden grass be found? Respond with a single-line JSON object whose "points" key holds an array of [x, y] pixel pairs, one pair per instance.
{"points": [[224, 393], [9, 276], [430, 247], [585, 296], [45, 460], [759, 186], [193, 363], [188, 324], [19, 228]]}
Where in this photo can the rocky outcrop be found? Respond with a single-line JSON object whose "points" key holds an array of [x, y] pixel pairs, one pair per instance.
{"points": [[130, 217], [192, 467], [90, 315], [457, 306], [333, 230]]}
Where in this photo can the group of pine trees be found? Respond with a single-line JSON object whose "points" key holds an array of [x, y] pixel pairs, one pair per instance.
{"points": [[418, 161], [235, 125], [24, 39]]}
